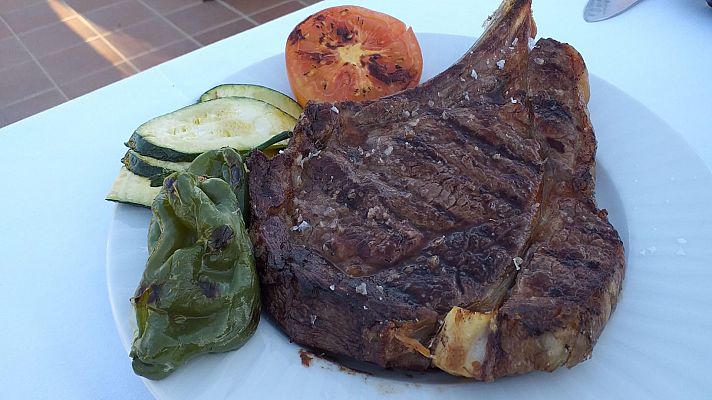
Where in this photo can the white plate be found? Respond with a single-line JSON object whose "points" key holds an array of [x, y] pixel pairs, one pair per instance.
{"points": [[655, 346]]}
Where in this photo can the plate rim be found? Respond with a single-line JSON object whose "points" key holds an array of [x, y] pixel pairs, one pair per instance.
{"points": [[592, 76]]}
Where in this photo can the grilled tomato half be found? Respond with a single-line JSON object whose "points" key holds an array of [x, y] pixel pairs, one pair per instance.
{"points": [[351, 53]]}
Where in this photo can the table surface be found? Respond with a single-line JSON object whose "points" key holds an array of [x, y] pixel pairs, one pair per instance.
{"points": [[59, 335]]}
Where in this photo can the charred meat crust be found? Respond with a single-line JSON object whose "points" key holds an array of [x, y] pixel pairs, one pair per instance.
{"points": [[379, 217]]}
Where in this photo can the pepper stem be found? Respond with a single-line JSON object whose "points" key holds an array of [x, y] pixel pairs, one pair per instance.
{"points": [[275, 139]]}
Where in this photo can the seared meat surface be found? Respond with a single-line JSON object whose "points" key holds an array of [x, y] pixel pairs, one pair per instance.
{"points": [[450, 225]]}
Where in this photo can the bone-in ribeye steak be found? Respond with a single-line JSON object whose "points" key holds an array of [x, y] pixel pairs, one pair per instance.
{"points": [[452, 225]]}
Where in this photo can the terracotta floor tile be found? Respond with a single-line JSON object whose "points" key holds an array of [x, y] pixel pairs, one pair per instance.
{"points": [[119, 16], [144, 37], [166, 6], [224, 31], [169, 52], [4, 30], [277, 11], [12, 52], [97, 80], [11, 5], [37, 15], [57, 37], [252, 6], [20, 81], [70, 51], [78, 61], [201, 17], [83, 6], [30, 106]]}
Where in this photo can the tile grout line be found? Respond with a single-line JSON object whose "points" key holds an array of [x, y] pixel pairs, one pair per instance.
{"points": [[273, 6], [33, 95], [32, 56], [238, 12], [135, 56], [109, 33], [106, 42], [100, 70], [42, 26], [175, 10], [169, 22], [51, 53], [65, 19], [220, 26], [153, 49]]}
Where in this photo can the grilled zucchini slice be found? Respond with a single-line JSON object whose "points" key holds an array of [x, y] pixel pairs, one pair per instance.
{"points": [[148, 166], [238, 122], [271, 96], [130, 188]]}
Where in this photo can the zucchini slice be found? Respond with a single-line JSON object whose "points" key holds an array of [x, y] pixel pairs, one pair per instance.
{"points": [[238, 122], [130, 188], [271, 96], [148, 166]]}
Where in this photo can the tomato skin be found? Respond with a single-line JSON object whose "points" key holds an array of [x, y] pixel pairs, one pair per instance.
{"points": [[351, 53]]}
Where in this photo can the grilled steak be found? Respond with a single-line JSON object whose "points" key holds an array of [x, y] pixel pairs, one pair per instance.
{"points": [[452, 225]]}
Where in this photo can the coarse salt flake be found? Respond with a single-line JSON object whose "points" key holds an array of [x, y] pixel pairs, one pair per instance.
{"points": [[473, 74], [531, 43], [515, 41], [332, 287], [334, 109], [388, 150], [304, 225], [312, 318], [538, 61], [500, 64], [517, 262], [361, 289]]}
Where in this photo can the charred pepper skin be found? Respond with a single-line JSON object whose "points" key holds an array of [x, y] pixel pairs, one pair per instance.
{"points": [[199, 292], [226, 163]]}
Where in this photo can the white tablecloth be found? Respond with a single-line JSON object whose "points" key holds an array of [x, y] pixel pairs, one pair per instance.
{"points": [[58, 336]]}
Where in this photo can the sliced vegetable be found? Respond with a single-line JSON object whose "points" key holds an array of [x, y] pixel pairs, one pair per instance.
{"points": [[238, 122], [351, 53], [271, 96], [148, 166], [132, 189], [199, 292]]}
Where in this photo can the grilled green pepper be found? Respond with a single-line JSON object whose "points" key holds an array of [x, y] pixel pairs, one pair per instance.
{"points": [[199, 292]]}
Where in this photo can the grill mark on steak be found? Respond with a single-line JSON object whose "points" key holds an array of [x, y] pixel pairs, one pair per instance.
{"points": [[410, 213]]}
